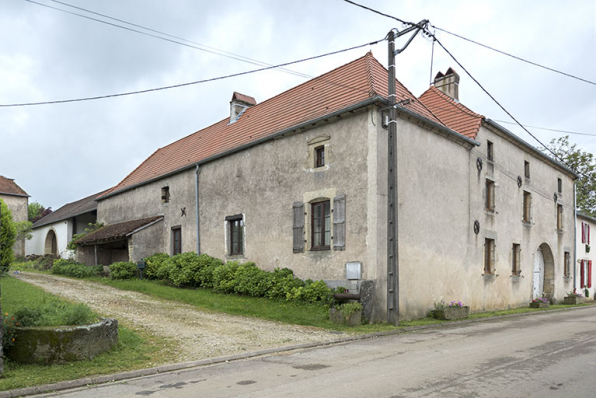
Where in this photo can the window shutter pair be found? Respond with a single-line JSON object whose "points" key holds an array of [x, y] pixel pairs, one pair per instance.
{"points": [[339, 224]]}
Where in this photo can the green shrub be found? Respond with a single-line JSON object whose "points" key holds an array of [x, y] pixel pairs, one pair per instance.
{"points": [[52, 314], [183, 268], [282, 283], [251, 280], [311, 292], [74, 269], [224, 277], [204, 275], [8, 331], [8, 233], [153, 263], [123, 270]]}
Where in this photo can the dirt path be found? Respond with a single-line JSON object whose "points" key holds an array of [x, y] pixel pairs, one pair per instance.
{"points": [[198, 334]]}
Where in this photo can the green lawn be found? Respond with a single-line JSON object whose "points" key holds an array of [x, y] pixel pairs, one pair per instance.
{"points": [[135, 350]]}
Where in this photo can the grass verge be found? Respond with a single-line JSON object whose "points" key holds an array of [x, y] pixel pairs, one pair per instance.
{"points": [[135, 349]]}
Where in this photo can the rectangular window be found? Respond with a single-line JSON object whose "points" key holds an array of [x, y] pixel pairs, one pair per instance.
{"points": [[165, 194], [560, 217], [527, 215], [320, 156], [176, 240], [321, 225], [489, 256], [527, 169], [567, 265], [516, 260], [236, 235], [489, 150], [559, 185], [490, 195]]}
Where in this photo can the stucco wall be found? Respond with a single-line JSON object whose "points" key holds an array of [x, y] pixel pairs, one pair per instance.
{"points": [[18, 206], [145, 242], [263, 182], [37, 243], [145, 201]]}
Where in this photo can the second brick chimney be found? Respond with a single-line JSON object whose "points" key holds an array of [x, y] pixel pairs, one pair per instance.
{"points": [[448, 83]]}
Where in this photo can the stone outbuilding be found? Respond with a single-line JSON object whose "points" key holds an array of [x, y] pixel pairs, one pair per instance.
{"points": [[301, 180], [17, 201]]}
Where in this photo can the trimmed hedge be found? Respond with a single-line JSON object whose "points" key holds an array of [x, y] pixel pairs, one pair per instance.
{"points": [[74, 269], [153, 263], [123, 270]]}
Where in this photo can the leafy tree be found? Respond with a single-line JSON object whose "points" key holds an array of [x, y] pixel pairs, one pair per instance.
{"points": [[24, 230], [37, 212], [8, 233], [584, 164]]}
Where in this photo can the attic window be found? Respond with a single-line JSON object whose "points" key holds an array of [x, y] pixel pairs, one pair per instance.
{"points": [[559, 185], [320, 156], [489, 150], [527, 169], [165, 195]]}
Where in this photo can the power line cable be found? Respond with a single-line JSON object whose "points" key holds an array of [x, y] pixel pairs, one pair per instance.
{"points": [[197, 81], [195, 45], [379, 12], [515, 57], [547, 129]]}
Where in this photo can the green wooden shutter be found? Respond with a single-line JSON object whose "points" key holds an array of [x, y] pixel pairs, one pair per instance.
{"points": [[298, 227], [339, 222]]}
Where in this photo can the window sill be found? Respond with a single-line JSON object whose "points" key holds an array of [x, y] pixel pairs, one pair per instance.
{"points": [[560, 231], [516, 278], [567, 279], [321, 249], [489, 212], [235, 256], [527, 224], [489, 277]]}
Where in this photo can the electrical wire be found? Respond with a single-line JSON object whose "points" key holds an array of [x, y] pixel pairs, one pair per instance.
{"points": [[547, 129], [195, 45], [197, 81], [379, 12], [515, 57]]}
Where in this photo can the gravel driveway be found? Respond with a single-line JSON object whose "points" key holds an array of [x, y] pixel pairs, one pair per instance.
{"points": [[197, 334]]}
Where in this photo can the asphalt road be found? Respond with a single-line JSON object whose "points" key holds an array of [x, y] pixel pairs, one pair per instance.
{"points": [[546, 355]]}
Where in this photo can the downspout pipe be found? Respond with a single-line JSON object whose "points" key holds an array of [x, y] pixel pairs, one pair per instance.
{"points": [[197, 171]]}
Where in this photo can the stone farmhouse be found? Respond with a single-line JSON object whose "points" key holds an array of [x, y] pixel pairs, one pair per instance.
{"points": [[17, 201], [51, 234], [300, 181]]}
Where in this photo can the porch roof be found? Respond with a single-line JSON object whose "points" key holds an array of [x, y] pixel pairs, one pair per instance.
{"points": [[114, 232]]}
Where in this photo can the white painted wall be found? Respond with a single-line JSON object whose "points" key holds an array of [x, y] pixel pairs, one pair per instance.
{"points": [[62, 229]]}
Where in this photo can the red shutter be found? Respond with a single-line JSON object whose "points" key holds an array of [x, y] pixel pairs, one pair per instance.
{"points": [[590, 273], [583, 233], [588, 225], [582, 275]]}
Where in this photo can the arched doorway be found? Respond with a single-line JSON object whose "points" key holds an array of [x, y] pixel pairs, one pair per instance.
{"points": [[543, 276], [51, 246]]}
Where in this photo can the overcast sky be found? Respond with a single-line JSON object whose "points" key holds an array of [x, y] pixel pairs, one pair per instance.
{"points": [[63, 152]]}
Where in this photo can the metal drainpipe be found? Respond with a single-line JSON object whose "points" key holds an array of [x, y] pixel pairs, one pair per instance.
{"points": [[197, 170], [574, 238]]}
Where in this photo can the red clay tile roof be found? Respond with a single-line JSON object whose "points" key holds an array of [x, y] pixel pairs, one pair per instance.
{"points": [[244, 98], [113, 232], [9, 187], [348, 85], [69, 210], [452, 113]]}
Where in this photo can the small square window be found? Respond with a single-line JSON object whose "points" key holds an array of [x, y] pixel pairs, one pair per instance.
{"points": [[489, 150], [516, 259], [490, 195], [489, 256], [320, 156], [559, 185], [527, 212], [165, 194], [527, 169]]}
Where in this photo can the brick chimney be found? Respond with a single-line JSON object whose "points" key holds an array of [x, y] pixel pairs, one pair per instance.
{"points": [[239, 104], [448, 83]]}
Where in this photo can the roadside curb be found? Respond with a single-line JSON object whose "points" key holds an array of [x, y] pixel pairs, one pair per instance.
{"points": [[95, 380]]}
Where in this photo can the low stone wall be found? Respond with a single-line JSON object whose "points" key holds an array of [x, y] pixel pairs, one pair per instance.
{"points": [[46, 345]]}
